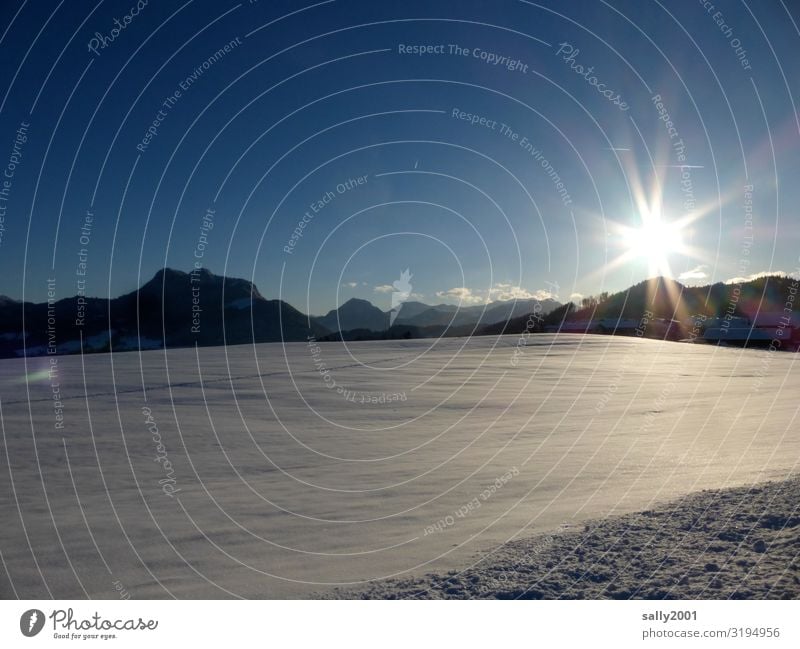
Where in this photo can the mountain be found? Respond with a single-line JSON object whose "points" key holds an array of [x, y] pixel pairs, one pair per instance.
{"points": [[231, 311], [480, 315], [177, 309], [441, 314], [656, 298], [355, 314], [664, 297], [411, 309], [502, 311], [7, 301], [173, 309], [691, 308]]}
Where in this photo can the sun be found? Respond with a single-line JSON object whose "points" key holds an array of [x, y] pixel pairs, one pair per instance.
{"points": [[650, 231], [655, 240]]}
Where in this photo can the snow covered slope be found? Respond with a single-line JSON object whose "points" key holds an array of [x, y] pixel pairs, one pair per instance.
{"points": [[278, 470]]}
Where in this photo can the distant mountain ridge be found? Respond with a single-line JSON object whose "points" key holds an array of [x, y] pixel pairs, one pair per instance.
{"points": [[178, 309], [483, 314], [682, 311], [173, 309], [355, 314], [664, 297], [362, 314]]}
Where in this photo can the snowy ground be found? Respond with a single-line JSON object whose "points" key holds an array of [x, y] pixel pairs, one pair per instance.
{"points": [[737, 543], [286, 486]]}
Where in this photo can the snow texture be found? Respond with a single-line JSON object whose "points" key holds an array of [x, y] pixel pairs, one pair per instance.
{"points": [[275, 471]]}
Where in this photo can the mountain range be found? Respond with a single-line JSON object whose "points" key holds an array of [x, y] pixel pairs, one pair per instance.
{"points": [[361, 314], [173, 309], [177, 309], [758, 299], [663, 297]]}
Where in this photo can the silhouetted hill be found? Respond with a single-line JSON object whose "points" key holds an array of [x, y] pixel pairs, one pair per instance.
{"points": [[177, 309], [663, 299], [412, 308], [7, 301], [667, 298], [479, 315], [173, 309], [355, 314], [535, 322]]}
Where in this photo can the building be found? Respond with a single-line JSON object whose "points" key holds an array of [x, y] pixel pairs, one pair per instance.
{"points": [[774, 329]]}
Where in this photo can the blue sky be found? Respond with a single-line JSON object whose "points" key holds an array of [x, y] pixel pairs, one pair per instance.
{"points": [[309, 97]]}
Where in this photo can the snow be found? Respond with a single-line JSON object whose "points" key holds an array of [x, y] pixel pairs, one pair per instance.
{"points": [[245, 472]]}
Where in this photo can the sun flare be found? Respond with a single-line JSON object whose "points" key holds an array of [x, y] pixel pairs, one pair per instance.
{"points": [[654, 239]]}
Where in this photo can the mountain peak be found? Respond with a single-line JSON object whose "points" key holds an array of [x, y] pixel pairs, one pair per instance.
{"points": [[168, 279], [353, 301], [165, 274], [356, 313]]}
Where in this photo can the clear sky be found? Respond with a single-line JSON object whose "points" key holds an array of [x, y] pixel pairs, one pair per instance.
{"points": [[469, 142]]}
